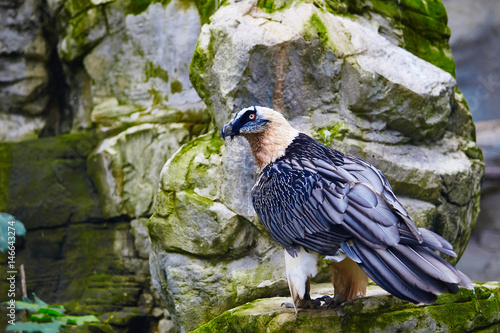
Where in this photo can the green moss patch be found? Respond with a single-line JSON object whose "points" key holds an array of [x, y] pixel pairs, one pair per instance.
{"points": [[423, 23], [176, 87], [136, 7], [45, 181], [274, 5], [320, 28], [75, 7], [336, 132], [207, 7], [152, 70], [5, 166]]}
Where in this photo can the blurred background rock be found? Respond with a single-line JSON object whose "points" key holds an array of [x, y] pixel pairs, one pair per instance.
{"points": [[475, 43]]}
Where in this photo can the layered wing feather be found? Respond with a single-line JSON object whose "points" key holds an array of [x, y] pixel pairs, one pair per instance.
{"points": [[322, 196]]}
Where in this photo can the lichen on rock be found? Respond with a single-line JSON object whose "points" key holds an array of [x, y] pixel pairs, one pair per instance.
{"points": [[126, 167]]}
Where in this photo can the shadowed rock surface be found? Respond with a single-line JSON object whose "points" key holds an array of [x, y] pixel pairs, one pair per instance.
{"points": [[95, 98]]}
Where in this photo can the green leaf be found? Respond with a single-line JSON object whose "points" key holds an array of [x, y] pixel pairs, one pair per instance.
{"points": [[50, 312], [31, 307], [40, 318], [39, 301], [80, 320], [6, 221], [30, 327]]}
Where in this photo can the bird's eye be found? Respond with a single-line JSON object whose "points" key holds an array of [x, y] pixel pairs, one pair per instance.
{"points": [[251, 116]]}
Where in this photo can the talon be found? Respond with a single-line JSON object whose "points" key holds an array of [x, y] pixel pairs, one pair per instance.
{"points": [[327, 300], [287, 305], [332, 304], [309, 304]]}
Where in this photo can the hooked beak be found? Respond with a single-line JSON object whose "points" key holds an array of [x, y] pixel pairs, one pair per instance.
{"points": [[228, 130]]}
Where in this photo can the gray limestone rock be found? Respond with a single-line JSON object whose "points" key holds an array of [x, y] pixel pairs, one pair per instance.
{"points": [[210, 252], [343, 81], [143, 62], [24, 78], [126, 168]]}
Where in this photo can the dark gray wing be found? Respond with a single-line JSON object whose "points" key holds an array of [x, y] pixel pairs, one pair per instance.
{"points": [[321, 199], [367, 173], [318, 205]]}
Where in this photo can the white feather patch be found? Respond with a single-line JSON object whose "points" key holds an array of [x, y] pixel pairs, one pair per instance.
{"points": [[298, 269]]}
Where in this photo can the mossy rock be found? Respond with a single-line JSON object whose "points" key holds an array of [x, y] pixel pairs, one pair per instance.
{"points": [[126, 167], [337, 77], [475, 310], [45, 181], [417, 26], [148, 86], [90, 268], [84, 31], [208, 256]]}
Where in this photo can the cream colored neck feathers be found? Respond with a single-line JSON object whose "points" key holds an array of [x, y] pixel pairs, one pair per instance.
{"points": [[271, 144]]}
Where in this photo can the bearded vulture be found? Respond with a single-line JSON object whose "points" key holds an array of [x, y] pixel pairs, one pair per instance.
{"points": [[316, 200]]}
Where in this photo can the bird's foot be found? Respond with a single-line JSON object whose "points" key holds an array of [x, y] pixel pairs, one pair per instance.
{"points": [[309, 303], [327, 301], [304, 304], [288, 305]]}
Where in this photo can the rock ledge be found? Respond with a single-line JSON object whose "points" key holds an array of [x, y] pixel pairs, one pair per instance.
{"points": [[475, 310]]}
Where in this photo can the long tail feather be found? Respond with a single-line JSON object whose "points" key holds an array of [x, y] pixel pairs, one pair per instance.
{"points": [[410, 272]]}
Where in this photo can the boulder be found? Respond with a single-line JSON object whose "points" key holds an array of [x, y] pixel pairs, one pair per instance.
{"points": [[44, 182], [337, 73], [137, 54], [126, 167], [210, 252]]}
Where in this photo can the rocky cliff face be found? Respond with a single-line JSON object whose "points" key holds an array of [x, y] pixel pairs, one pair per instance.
{"points": [[129, 97]]}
